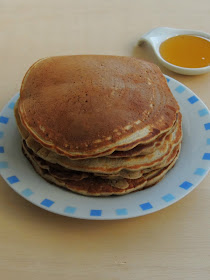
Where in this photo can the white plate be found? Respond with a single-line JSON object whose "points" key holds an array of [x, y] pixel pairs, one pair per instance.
{"points": [[190, 169]]}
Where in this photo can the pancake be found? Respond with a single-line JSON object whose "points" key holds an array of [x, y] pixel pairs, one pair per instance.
{"points": [[98, 125], [96, 186], [93, 186], [142, 149], [75, 175], [138, 150], [86, 106], [158, 175], [109, 165]]}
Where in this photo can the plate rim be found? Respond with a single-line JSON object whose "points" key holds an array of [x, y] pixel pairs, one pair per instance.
{"points": [[112, 217]]}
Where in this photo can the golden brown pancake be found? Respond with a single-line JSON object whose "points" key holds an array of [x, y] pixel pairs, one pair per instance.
{"points": [[76, 175], [98, 125], [96, 186], [136, 151], [92, 105], [107, 165]]}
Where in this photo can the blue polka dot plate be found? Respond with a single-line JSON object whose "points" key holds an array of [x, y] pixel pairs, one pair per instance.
{"points": [[190, 169]]}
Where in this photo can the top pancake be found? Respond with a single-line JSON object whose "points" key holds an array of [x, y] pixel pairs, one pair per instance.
{"points": [[92, 105]]}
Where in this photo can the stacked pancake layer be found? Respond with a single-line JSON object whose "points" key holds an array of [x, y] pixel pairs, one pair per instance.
{"points": [[98, 125]]}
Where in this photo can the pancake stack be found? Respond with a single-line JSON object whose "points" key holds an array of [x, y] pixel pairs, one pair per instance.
{"points": [[98, 125]]}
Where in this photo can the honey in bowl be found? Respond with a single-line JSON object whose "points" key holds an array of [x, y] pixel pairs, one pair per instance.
{"points": [[186, 51]]}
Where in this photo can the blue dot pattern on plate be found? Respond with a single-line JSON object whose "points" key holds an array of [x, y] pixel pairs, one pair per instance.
{"points": [[146, 206], [70, 210], [47, 202], [200, 171], [168, 80], [186, 185], [13, 180], [180, 89], [203, 112], [95, 212], [192, 99], [206, 156], [207, 126], [168, 197], [27, 192], [121, 211], [3, 164], [4, 120], [11, 105]]}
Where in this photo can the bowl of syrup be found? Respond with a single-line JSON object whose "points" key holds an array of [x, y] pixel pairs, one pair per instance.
{"points": [[180, 50]]}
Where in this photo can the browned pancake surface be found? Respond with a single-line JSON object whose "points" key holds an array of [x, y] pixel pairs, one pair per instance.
{"points": [[96, 186], [87, 105]]}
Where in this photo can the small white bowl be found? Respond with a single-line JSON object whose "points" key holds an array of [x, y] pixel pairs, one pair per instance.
{"points": [[158, 35]]}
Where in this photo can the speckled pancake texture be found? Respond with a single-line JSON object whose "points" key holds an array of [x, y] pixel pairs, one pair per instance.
{"points": [[83, 106], [98, 125]]}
